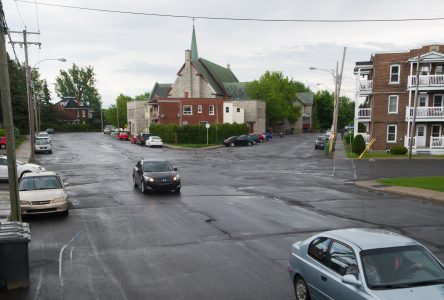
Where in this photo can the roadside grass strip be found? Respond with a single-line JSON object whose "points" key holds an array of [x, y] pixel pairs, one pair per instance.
{"points": [[434, 183]]}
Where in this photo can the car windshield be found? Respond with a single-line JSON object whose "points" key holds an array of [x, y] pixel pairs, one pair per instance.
{"points": [[41, 141], [155, 138], [400, 267], [43, 134], [157, 166], [32, 183]]}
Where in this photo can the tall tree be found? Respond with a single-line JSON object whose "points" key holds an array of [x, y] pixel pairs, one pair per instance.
{"points": [[142, 97], [278, 92], [80, 83], [346, 112], [323, 109], [19, 100]]}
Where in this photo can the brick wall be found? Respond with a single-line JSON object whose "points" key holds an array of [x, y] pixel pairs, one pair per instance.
{"points": [[171, 111]]}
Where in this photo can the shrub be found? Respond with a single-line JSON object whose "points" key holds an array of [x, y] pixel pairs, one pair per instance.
{"points": [[346, 138], [358, 144], [197, 134], [398, 150]]}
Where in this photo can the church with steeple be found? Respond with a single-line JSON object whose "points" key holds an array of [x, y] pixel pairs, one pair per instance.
{"points": [[203, 92]]}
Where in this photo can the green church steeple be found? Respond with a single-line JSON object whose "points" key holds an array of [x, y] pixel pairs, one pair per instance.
{"points": [[194, 54]]}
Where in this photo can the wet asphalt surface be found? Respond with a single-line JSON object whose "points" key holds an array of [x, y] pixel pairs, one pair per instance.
{"points": [[227, 235]]}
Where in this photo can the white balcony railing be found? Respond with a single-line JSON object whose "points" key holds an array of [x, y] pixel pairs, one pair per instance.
{"points": [[365, 86], [437, 142], [430, 113], [364, 113], [427, 81]]}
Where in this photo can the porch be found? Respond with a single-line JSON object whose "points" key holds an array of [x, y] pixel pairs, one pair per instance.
{"points": [[436, 145], [426, 82]]}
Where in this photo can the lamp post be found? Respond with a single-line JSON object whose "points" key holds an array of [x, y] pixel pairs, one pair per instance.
{"points": [[35, 104], [337, 78]]}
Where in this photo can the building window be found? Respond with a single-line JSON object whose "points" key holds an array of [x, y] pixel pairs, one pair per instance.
{"points": [[78, 114], [391, 133], [211, 110], [187, 110], [436, 130], [203, 123], [393, 104], [394, 73], [227, 109], [83, 114], [238, 109], [437, 101], [439, 70], [199, 109], [422, 100]]}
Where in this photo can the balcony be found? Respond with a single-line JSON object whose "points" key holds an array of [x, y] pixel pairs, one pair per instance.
{"points": [[154, 115], [364, 114], [365, 87], [426, 82], [424, 114], [436, 146]]}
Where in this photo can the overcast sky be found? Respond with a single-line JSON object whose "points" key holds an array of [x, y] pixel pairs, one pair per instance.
{"points": [[129, 53]]}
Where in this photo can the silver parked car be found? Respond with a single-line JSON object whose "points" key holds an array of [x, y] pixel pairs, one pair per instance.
{"points": [[364, 264]]}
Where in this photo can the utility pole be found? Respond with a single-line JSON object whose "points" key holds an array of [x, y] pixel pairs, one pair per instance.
{"points": [[8, 123], [415, 105], [101, 115], [338, 82], [31, 109]]}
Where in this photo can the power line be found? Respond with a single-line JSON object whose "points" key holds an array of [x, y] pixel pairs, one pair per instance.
{"points": [[6, 30], [19, 13], [37, 16], [233, 19]]}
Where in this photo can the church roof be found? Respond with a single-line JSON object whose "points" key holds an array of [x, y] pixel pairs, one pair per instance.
{"points": [[305, 98], [237, 90], [216, 75]]}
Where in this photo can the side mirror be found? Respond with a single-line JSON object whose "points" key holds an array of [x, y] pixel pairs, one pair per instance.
{"points": [[175, 169], [351, 280], [65, 184]]}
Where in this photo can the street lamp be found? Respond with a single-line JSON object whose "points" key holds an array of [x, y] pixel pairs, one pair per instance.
{"points": [[33, 108]]}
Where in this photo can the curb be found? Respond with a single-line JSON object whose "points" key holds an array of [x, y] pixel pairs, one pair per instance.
{"points": [[186, 148], [373, 185]]}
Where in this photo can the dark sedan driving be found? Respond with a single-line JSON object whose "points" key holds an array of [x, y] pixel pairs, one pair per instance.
{"points": [[155, 175]]}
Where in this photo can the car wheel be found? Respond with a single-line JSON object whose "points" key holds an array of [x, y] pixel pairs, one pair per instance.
{"points": [[65, 213], [142, 187], [300, 289], [249, 143], [50, 152], [177, 191], [134, 182], [231, 144], [3, 146]]}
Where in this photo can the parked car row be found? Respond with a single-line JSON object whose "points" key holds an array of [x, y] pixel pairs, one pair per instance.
{"points": [[142, 139], [43, 142], [247, 139]]}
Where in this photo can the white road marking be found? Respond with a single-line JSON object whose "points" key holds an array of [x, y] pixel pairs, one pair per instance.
{"points": [[60, 259]]}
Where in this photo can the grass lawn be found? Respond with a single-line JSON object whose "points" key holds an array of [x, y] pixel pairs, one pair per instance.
{"points": [[435, 183], [19, 140], [195, 145]]}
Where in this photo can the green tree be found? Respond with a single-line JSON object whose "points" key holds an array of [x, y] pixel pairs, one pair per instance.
{"points": [[346, 112], [279, 93], [142, 97], [19, 100], [80, 83], [110, 114], [358, 144], [323, 109]]}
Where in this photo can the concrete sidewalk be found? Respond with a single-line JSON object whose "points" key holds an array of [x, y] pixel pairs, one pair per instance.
{"points": [[373, 185], [22, 153]]}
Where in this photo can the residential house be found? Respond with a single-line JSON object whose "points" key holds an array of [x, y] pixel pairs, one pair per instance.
{"points": [[75, 111], [198, 96], [136, 116], [385, 99]]}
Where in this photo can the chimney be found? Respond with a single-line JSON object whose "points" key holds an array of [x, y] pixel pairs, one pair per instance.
{"points": [[228, 66], [187, 55]]}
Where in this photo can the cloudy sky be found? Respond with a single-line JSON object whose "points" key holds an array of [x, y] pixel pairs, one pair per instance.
{"points": [[130, 52]]}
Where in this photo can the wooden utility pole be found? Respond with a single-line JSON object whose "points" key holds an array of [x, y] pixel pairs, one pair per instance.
{"points": [[338, 82], [8, 123], [415, 105], [31, 108]]}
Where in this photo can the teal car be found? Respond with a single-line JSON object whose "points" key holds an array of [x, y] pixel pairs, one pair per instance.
{"points": [[364, 264]]}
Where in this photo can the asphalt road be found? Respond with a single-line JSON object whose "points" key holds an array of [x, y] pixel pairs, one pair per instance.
{"points": [[226, 236]]}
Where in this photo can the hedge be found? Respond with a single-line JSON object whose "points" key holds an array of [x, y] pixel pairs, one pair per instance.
{"points": [[358, 144], [398, 150], [197, 134]]}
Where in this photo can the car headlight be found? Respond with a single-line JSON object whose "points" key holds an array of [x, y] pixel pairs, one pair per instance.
{"points": [[177, 177], [58, 200], [150, 179]]}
